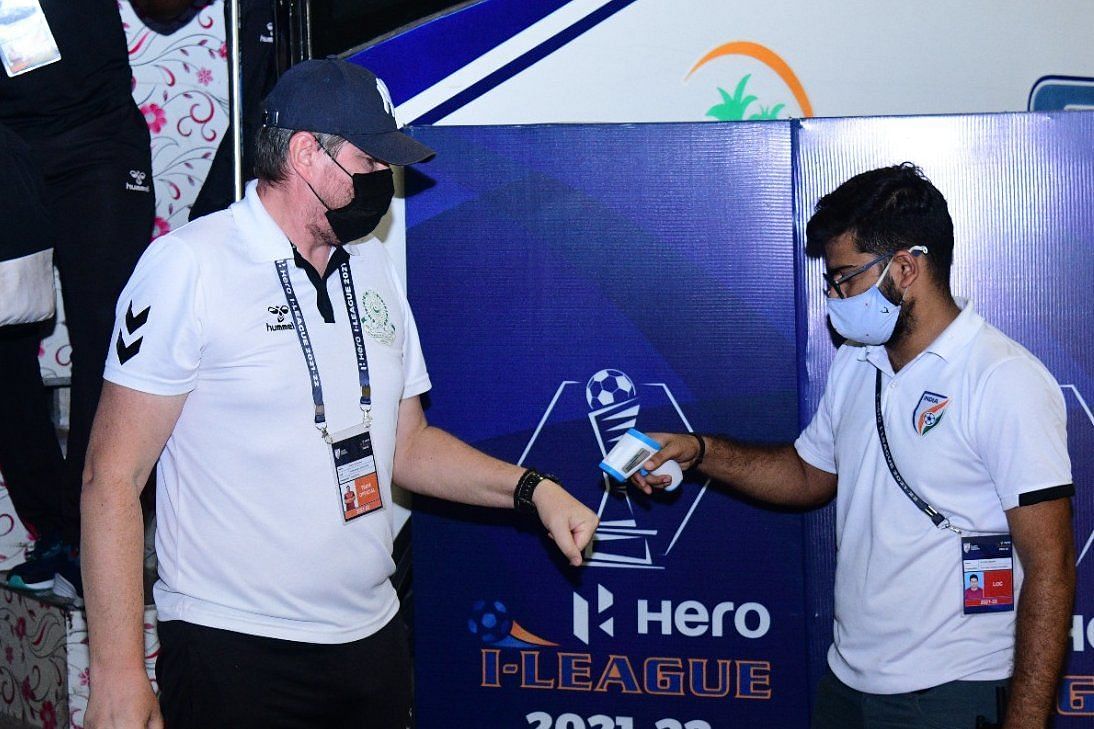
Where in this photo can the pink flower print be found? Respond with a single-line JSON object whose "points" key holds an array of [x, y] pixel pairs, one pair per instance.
{"points": [[28, 693], [205, 76], [223, 51], [21, 628], [85, 677], [9, 654], [154, 116], [48, 715], [160, 227]]}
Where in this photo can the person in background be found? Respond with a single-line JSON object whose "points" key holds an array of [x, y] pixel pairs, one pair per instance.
{"points": [[66, 95]]}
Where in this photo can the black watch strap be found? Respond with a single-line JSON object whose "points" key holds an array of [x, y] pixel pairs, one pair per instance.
{"points": [[522, 494]]}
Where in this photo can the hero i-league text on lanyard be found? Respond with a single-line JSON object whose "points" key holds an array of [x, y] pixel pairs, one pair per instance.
{"points": [[351, 449]]}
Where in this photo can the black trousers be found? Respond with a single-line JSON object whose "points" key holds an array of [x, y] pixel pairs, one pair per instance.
{"points": [[98, 192], [954, 705], [218, 678]]}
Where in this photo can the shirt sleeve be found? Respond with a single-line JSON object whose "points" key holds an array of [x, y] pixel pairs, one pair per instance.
{"points": [[817, 443], [1021, 433], [157, 339], [415, 376]]}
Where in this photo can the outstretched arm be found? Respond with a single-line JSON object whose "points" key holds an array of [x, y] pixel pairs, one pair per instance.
{"points": [[772, 474], [430, 461]]}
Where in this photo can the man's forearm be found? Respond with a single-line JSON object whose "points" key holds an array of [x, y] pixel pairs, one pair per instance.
{"points": [[773, 474], [112, 558], [1044, 616], [438, 464]]}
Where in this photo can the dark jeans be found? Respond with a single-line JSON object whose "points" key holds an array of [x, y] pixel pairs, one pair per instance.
{"points": [[954, 705], [218, 678], [102, 225]]}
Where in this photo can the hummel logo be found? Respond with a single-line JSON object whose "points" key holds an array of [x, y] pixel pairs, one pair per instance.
{"points": [[133, 322], [138, 181], [280, 312]]}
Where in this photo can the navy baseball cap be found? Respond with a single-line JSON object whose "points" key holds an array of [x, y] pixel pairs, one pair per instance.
{"points": [[332, 96]]}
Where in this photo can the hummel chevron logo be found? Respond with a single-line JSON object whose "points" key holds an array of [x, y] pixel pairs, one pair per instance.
{"points": [[133, 322]]}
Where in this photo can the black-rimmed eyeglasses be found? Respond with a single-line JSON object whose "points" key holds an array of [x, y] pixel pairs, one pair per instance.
{"points": [[833, 283]]}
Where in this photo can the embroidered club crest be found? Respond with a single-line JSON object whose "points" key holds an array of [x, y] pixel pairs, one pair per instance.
{"points": [[928, 413], [377, 321]]}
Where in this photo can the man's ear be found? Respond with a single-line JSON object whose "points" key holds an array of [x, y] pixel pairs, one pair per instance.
{"points": [[906, 269], [303, 155]]}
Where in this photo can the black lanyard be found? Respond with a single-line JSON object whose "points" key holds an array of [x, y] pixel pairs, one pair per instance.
{"points": [[309, 352], [938, 519]]}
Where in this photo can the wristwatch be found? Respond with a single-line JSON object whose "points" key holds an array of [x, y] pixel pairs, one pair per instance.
{"points": [[522, 494]]}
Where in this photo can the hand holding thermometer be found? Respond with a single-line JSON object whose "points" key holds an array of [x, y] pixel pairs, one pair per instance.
{"points": [[629, 453]]}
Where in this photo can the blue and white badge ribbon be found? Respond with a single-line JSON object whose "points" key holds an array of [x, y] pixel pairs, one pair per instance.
{"points": [[309, 352]]}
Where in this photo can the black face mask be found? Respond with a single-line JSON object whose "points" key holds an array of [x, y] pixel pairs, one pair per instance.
{"points": [[372, 193]]}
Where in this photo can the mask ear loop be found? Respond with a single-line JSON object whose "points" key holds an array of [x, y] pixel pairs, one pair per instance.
{"points": [[915, 251]]}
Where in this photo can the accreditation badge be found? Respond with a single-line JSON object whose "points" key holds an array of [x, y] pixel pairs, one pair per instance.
{"points": [[26, 42], [355, 470], [987, 574]]}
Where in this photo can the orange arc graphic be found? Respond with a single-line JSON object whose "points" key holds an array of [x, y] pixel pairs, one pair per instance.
{"points": [[518, 632], [769, 58]]}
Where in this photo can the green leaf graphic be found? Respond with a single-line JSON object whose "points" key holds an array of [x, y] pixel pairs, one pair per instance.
{"points": [[766, 113], [733, 107]]}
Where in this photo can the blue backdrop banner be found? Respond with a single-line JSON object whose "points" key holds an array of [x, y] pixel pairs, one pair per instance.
{"points": [[570, 282], [573, 281]]}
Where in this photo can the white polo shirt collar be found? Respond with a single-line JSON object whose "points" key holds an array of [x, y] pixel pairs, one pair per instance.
{"points": [[947, 345], [256, 228]]}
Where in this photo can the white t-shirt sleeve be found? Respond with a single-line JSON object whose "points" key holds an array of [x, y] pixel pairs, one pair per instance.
{"points": [[1021, 433], [157, 341], [415, 376], [817, 443]]}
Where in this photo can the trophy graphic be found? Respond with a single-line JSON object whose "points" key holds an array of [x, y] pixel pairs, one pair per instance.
{"points": [[613, 409]]}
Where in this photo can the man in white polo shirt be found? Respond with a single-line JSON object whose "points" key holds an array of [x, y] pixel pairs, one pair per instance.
{"points": [[276, 374], [977, 475]]}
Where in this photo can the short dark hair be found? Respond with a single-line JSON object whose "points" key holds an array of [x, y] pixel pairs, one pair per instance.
{"points": [[271, 151], [887, 210]]}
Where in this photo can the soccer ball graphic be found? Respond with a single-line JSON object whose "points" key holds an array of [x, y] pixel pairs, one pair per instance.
{"points": [[490, 621], [607, 387]]}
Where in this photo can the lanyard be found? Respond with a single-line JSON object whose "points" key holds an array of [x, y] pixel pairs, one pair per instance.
{"points": [[309, 353], [938, 519]]}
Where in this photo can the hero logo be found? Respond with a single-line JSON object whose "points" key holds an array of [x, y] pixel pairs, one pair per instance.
{"points": [[689, 618], [612, 402]]}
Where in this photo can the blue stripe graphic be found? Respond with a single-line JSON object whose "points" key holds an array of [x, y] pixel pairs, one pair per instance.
{"points": [[414, 60], [520, 63]]}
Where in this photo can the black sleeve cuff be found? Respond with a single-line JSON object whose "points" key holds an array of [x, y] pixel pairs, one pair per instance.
{"points": [[1053, 492]]}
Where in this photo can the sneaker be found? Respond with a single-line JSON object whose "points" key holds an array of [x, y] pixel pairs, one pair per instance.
{"points": [[70, 588], [44, 560]]}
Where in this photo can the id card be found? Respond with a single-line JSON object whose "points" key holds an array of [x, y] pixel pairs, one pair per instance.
{"points": [[26, 42], [355, 470], [987, 566]]}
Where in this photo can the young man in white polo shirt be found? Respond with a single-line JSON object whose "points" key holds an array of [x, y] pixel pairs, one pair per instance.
{"points": [[276, 374], [977, 475]]}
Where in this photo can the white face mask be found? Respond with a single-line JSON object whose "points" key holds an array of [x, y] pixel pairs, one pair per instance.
{"points": [[867, 318]]}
